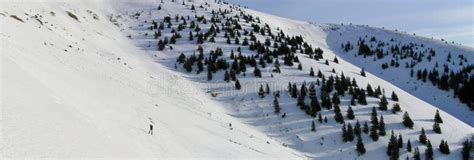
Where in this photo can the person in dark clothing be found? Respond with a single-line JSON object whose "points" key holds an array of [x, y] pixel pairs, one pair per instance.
{"points": [[151, 129]]}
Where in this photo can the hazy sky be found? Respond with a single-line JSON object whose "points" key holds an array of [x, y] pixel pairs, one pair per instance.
{"points": [[452, 20]]}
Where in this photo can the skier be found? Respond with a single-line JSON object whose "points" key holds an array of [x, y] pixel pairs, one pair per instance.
{"points": [[151, 129]]}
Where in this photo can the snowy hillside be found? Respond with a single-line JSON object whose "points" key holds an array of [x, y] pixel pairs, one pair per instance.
{"points": [[85, 79], [80, 89]]}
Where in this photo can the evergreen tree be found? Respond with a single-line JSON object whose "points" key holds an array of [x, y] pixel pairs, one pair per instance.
{"points": [[311, 72], [350, 113], [394, 96], [337, 114], [226, 76], [357, 130], [381, 126], [362, 72], [444, 147], [300, 67], [237, 85], [396, 108], [366, 128], [276, 105], [313, 126], [423, 139], [466, 149], [383, 103], [437, 117], [261, 92], [373, 133], [209, 75], [267, 89], [350, 132], [436, 128], [361, 98], [429, 151], [416, 154], [400, 141], [336, 60], [315, 108], [335, 99], [257, 72], [320, 118], [407, 120], [408, 145], [325, 99], [360, 146], [373, 117], [392, 149], [344, 133], [191, 36]]}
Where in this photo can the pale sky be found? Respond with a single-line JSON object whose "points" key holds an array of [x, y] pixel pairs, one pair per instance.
{"points": [[452, 20]]}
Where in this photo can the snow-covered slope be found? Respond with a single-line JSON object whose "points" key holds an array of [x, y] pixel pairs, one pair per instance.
{"points": [[80, 89], [400, 76], [89, 88]]}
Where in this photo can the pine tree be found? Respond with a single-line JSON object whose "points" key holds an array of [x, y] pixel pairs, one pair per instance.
{"points": [[315, 108], [383, 103], [400, 141], [344, 133], [336, 60], [313, 126], [357, 130], [416, 154], [362, 72], [191, 36], [373, 133], [267, 89], [311, 72], [360, 146], [350, 113], [366, 128], [408, 145], [437, 117], [257, 72], [350, 132], [394, 96], [429, 151], [237, 85], [261, 92], [335, 99], [436, 128], [381, 126], [392, 148], [276, 105], [209, 75], [362, 98], [373, 117], [407, 120], [396, 108], [337, 114], [444, 147], [325, 99], [300, 67], [423, 139], [466, 149], [320, 118], [226, 76]]}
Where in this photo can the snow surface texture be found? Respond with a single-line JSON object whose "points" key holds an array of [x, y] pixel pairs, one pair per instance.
{"points": [[81, 89]]}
